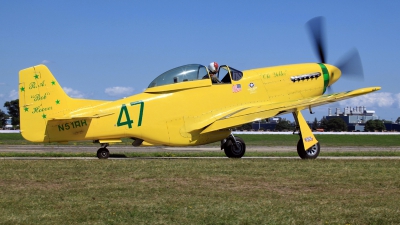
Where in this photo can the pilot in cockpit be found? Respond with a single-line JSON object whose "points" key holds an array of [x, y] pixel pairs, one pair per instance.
{"points": [[213, 69]]}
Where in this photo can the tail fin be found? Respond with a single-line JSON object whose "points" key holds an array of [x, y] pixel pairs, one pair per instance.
{"points": [[40, 99]]}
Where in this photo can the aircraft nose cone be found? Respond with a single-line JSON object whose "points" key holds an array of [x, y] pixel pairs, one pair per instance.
{"points": [[334, 74]]}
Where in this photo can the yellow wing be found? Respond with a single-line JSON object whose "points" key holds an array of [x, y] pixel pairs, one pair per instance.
{"points": [[250, 113]]}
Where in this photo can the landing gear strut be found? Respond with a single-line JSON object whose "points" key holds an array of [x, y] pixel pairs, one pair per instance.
{"points": [[103, 152], [234, 147]]}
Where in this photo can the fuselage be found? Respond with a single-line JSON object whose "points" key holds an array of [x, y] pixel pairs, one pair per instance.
{"points": [[178, 113]]}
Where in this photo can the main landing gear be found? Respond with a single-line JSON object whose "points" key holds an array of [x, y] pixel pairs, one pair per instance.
{"points": [[234, 147], [103, 152], [307, 147], [311, 153]]}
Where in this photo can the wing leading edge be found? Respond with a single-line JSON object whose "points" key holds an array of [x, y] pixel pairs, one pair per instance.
{"points": [[263, 110]]}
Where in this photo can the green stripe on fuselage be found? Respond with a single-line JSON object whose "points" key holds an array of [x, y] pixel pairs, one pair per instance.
{"points": [[326, 75]]}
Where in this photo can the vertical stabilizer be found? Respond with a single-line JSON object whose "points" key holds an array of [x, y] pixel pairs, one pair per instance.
{"points": [[40, 98]]}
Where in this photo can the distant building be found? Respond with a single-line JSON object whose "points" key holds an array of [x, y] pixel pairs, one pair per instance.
{"points": [[356, 118], [392, 126]]}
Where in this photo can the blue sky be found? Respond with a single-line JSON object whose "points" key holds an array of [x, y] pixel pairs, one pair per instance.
{"points": [[112, 49]]}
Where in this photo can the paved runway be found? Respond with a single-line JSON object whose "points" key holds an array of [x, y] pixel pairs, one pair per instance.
{"points": [[120, 150], [125, 149], [203, 158]]}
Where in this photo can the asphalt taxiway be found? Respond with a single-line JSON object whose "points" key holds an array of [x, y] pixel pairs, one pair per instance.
{"points": [[119, 151], [126, 149]]}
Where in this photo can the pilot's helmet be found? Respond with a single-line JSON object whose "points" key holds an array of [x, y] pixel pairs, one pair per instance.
{"points": [[213, 67]]}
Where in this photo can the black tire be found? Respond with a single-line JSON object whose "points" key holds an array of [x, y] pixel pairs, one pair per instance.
{"points": [[231, 151], [311, 153], [103, 153]]}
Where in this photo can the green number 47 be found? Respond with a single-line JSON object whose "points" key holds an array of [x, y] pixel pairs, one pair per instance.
{"points": [[124, 112]]}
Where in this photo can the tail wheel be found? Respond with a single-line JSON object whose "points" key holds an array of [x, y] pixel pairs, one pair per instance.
{"points": [[311, 153], [235, 151], [103, 153]]}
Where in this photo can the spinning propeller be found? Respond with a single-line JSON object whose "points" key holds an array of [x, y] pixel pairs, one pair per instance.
{"points": [[349, 64]]}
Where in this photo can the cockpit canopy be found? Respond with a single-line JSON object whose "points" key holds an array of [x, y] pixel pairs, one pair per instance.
{"points": [[188, 72], [193, 72]]}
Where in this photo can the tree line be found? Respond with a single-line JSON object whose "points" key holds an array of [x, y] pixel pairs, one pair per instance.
{"points": [[333, 124], [12, 111], [338, 124]]}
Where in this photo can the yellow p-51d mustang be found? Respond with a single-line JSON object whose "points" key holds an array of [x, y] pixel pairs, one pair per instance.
{"points": [[183, 107]]}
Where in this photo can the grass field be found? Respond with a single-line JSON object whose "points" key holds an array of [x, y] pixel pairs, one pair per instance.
{"points": [[325, 140], [204, 191], [200, 191]]}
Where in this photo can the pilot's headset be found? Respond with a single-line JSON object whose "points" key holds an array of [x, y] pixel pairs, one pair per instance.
{"points": [[213, 67]]}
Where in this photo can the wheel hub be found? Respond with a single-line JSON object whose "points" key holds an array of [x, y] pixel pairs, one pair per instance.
{"points": [[312, 151], [238, 149]]}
